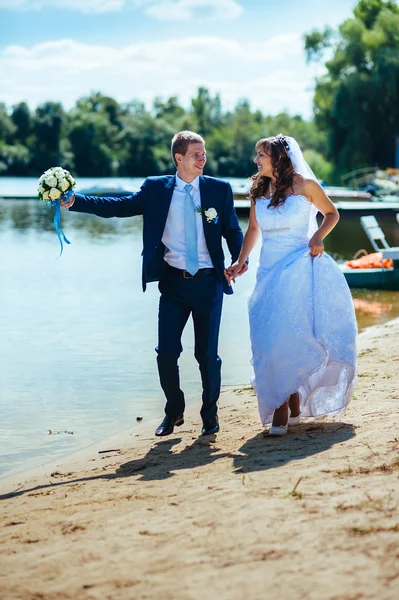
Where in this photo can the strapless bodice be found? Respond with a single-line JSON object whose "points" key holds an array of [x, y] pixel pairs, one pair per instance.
{"points": [[285, 229], [291, 218]]}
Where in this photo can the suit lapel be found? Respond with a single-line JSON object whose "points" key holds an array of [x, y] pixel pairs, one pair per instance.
{"points": [[165, 202], [204, 193]]}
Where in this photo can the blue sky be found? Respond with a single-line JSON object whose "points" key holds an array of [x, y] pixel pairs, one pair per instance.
{"points": [[145, 48]]}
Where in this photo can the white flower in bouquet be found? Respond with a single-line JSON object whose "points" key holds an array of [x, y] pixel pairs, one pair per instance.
{"points": [[59, 172], [54, 193], [53, 183], [64, 184]]}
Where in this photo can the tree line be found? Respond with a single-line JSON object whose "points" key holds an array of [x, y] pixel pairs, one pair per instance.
{"points": [[99, 137], [356, 117]]}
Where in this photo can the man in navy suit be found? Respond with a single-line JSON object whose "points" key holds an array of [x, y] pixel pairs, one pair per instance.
{"points": [[185, 217]]}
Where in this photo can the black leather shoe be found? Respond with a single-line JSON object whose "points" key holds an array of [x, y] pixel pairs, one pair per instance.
{"points": [[210, 426], [168, 424]]}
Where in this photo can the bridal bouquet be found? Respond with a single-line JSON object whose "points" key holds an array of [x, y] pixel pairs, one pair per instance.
{"points": [[54, 183]]}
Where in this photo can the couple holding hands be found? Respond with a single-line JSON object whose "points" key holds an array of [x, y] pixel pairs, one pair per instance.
{"points": [[302, 321]]}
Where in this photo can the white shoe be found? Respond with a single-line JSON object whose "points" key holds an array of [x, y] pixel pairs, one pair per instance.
{"points": [[280, 429], [292, 421]]}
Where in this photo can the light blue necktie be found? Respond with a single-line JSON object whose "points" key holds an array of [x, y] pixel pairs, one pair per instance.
{"points": [[191, 233]]}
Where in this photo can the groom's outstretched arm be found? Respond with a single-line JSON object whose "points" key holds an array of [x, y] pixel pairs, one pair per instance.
{"points": [[112, 206], [231, 230]]}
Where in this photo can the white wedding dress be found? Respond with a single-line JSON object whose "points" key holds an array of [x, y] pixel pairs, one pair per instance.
{"points": [[302, 320]]}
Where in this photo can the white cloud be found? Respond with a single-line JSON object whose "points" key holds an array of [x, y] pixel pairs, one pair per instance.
{"points": [[160, 9], [184, 10], [273, 77], [86, 6]]}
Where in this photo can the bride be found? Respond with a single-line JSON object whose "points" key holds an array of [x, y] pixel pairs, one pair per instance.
{"points": [[302, 322]]}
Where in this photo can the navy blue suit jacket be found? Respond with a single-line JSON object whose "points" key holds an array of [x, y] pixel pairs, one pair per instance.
{"points": [[153, 202]]}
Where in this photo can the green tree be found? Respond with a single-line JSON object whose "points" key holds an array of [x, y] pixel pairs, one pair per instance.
{"points": [[7, 128], [93, 133], [356, 101], [47, 131], [14, 159], [100, 104], [22, 119], [169, 110], [145, 141], [88, 137], [206, 111], [368, 11]]}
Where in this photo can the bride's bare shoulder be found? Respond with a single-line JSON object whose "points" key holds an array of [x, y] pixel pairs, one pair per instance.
{"points": [[299, 184], [305, 185]]}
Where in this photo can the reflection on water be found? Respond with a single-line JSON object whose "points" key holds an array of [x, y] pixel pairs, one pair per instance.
{"points": [[27, 215], [374, 307], [78, 335]]}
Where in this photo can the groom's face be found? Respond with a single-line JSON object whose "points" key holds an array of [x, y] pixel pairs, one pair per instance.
{"points": [[193, 162]]}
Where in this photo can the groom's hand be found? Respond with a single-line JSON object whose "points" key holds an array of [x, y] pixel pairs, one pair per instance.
{"points": [[67, 201], [235, 270]]}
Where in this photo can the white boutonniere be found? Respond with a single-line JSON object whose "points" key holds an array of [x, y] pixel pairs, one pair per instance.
{"points": [[210, 214]]}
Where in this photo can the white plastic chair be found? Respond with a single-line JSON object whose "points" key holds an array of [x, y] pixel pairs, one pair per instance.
{"points": [[375, 234]]}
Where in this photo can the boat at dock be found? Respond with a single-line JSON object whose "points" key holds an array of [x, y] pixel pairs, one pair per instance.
{"points": [[384, 277], [373, 279]]}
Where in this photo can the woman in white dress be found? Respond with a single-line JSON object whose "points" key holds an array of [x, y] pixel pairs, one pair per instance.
{"points": [[302, 321]]}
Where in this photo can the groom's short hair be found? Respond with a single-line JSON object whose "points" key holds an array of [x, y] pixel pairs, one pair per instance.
{"points": [[181, 142]]}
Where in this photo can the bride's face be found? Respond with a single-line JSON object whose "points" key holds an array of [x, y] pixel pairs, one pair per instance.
{"points": [[264, 163]]}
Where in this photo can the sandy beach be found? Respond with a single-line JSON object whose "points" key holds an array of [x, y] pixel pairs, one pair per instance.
{"points": [[236, 516]]}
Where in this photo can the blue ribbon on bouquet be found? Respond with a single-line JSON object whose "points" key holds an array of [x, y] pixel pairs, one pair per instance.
{"points": [[57, 219]]}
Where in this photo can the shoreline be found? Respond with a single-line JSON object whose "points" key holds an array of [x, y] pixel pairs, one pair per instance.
{"points": [[121, 438], [233, 515], [121, 441]]}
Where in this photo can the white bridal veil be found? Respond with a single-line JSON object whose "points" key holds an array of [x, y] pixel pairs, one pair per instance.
{"points": [[301, 167]]}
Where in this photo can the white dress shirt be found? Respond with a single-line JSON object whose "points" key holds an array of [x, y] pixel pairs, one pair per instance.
{"points": [[174, 233]]}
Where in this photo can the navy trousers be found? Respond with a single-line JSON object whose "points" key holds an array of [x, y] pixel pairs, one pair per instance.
{"points": [[203, 299]]}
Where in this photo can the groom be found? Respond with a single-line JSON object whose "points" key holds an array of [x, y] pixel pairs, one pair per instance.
{"points": [[185, 217]]}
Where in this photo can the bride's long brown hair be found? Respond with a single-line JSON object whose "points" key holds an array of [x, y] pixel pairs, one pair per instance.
{"points": [[275, 147]]}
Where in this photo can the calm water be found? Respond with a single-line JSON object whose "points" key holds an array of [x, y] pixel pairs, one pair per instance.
{"points": [[78, 335]]}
